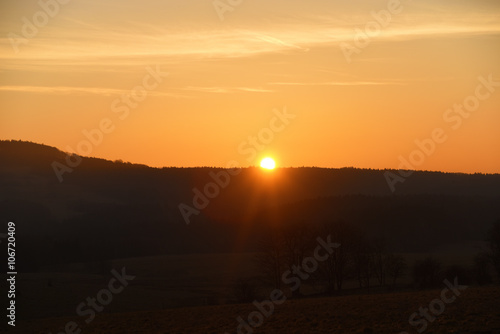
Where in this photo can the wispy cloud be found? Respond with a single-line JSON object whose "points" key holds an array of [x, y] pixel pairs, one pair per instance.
{"points": [[228, 89], [85, 44], [278, 42], [356, 82], [67, 90], [341, 83]]}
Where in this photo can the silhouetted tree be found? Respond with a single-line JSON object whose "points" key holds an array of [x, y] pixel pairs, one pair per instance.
{"points": [[282, 247], [270, 259], [335, 269], [244, 291], [380, 258], [296, 240], [396, 266], [362, 260]]}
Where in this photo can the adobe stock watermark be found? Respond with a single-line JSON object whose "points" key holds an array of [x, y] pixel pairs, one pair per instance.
{"points": [[436, 307], [292, 277], [93, 305], [454, 117], [120, 106], [223, 6], [248, 148], [30, 28], [363, 37]]}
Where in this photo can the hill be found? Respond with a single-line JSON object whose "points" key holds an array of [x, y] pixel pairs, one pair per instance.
{"points": [[103, 209]]}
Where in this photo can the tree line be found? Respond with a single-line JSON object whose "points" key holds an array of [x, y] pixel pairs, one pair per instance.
{"points": [[363, 260]]}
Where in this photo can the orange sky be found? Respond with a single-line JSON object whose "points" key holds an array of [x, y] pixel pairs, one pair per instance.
{"points": [[228, 78]]}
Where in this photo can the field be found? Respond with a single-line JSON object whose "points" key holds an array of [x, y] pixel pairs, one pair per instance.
{"points": [[163, 282], [476, 310], [174, 294]]}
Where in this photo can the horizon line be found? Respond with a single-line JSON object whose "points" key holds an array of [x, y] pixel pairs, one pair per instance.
{"points": [[120, 161]]}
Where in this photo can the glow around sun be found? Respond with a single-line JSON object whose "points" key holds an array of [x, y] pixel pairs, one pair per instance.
{"points": [[268, 163]]}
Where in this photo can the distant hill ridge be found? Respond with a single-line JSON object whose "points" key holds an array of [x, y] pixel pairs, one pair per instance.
{"points": [[104, 207], [20, 156]]}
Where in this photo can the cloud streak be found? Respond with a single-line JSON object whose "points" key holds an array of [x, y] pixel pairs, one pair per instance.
{"points": [[227, 89], [86, 44], [70, 90], [341, 83]]}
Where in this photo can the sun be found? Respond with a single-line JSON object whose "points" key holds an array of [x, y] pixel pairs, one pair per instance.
{"points": [[268, 163]]}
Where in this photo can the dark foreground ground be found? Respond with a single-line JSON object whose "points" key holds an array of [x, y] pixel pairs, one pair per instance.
{"points": [[476, 310]]}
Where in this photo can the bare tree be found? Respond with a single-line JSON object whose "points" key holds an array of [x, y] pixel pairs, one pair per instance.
{"points": [[380, 256], [363, 260], [396, 266], [335, 268], [283, 247], [244, 291], [296, 238], [271, 258]]}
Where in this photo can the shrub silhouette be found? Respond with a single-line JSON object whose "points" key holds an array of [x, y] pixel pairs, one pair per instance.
{"points": [[244, 291], [463, 274], [494, 240], [427, 273], [482, 269]]}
